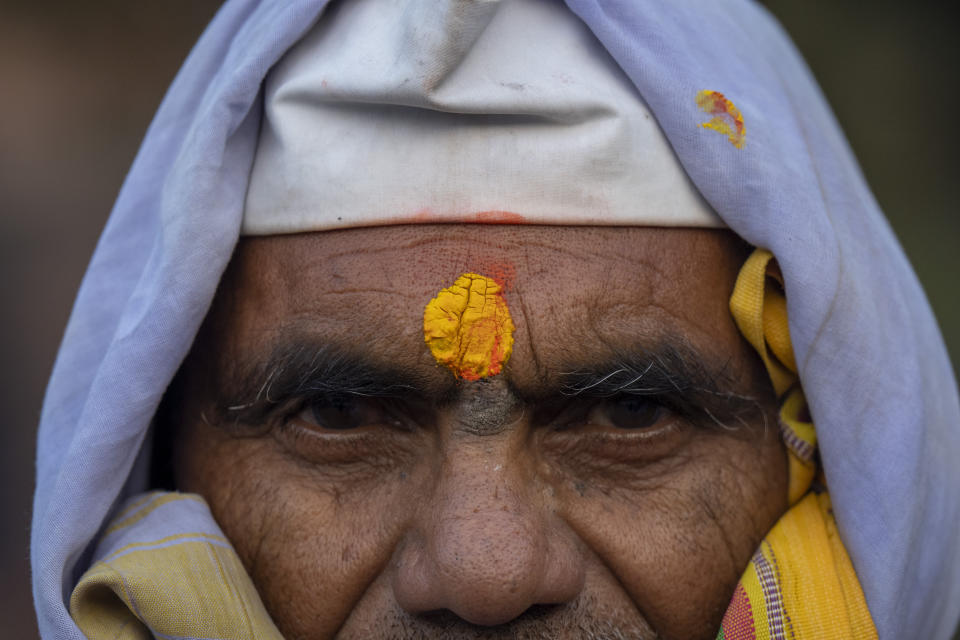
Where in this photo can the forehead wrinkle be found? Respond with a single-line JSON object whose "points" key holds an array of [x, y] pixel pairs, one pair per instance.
{"points": [[582, 326], [600, 335], [463, 242], [417, 237], [360, 290], [526, 337]]}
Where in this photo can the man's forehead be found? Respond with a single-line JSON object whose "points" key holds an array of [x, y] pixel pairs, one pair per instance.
{"points": [[576, 294], [408, 256]]}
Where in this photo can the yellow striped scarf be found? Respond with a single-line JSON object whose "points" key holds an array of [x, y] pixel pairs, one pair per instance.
{"points": [[800, 583], [167, 571]]}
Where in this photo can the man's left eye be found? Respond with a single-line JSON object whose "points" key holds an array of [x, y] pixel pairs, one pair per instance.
{"points": [[628, 412]]}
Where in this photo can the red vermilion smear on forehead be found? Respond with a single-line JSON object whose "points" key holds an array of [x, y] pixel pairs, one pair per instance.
{"points": [[427, 215], [500, 217], [501, 272], [424, 215]]}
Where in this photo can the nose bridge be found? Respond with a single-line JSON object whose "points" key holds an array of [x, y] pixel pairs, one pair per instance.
{"points": [[487, 407], [486, 549], [486, 531]]}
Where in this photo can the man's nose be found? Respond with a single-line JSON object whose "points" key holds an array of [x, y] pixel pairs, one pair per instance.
{"points": [[489, 546]]}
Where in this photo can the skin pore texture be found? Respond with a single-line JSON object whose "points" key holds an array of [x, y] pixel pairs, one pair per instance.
{"points": [[612, 481]]}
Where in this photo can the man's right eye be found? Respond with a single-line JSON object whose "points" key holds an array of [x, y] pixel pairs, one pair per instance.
{"points": [[345, 413], [334, 430]]}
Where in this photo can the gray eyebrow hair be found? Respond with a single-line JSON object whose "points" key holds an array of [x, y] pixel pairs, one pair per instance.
{"points": [[671, 372], [302, 369]]}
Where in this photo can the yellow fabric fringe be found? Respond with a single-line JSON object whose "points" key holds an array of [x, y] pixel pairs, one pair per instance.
{"points": [[800, 583]]}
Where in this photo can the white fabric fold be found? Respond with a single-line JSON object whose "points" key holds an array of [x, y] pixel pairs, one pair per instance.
{"points": [[395, 112]]}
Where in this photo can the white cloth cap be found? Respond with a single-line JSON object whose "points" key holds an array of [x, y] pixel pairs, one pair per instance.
{"points": [[484, 111]]}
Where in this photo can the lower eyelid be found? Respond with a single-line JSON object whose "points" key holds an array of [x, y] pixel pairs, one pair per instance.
{"points": [[596, 447], [601, 434], [330, 449], [668, 426]]}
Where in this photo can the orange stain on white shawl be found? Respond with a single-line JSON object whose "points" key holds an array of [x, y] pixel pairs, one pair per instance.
{"points": [[727, 119]]}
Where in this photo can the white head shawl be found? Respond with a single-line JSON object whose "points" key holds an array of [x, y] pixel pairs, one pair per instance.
{"points": [[871, 359]]}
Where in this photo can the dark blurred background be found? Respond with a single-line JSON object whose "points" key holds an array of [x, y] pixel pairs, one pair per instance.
{"points": [[79, 83]]}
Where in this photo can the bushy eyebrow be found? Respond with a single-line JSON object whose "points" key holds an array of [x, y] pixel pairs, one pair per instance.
{"points": [[299, 368], [671, 372]]}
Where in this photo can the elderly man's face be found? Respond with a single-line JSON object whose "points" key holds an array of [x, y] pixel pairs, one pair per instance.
{"points": [[615, 477]]}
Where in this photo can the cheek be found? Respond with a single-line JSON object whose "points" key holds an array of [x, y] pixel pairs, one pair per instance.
{"points": [[679, 544], [311, 544]]}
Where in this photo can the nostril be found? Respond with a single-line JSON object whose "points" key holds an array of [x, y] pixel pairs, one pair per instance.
{"points": [[485, 547], [488, 570]]}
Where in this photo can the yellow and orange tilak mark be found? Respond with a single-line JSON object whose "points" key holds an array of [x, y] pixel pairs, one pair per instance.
{"points": [[726, 117], [468, 329]]}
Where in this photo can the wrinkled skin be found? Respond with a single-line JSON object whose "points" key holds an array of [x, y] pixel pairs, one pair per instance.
{"points": [[497, 508]]}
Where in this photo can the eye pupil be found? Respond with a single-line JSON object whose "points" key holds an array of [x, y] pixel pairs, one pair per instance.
{"points": [[336, 413], [632, 412]]}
